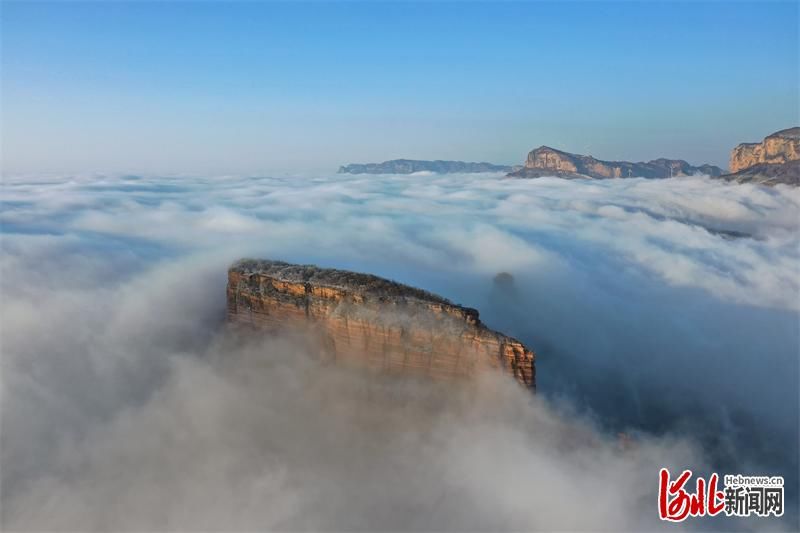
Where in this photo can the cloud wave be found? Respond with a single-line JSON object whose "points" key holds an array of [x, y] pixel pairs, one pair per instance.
{"points": [[665, 309]]}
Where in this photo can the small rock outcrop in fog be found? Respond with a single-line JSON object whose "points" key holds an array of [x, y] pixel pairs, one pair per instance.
{"points": [[372, 322], [546, 161], [774, 160]]}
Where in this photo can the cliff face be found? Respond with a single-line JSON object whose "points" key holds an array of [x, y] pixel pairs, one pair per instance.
{"points": [[775, 160], [372, 322], [408, 166], [780, 147], [546, 161]]}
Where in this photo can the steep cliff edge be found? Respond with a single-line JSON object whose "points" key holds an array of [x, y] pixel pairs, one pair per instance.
{"points": [[780, 147], [774, 160], [371, 322], [546, 161]]}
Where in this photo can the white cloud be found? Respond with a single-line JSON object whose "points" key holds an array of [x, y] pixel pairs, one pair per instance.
{"points": [[664, 308]]}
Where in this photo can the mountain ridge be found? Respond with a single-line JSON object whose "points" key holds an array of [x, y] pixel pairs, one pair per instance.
{"points": [[547, 161], [409, 166]]}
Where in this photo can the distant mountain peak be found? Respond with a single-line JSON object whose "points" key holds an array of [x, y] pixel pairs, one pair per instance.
{"points": [[548, 161], [788, 133]]}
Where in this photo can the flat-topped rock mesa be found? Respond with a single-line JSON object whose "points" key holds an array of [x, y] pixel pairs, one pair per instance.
{"points": [[546, 161], [774, 160], [371, 322], [409, 166]]}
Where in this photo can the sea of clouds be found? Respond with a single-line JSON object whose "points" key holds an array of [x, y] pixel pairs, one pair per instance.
{"points": [[663, 310]]}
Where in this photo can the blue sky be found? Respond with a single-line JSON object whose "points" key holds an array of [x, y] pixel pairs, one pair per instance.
{"points": [[255, 87]]}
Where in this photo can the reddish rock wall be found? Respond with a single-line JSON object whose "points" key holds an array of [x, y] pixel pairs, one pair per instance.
{"points": [[780, 147], [371, 322]]}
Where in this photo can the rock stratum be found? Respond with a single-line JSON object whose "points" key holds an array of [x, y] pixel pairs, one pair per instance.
{"points": [[409, 166], [371, 322], [773, 161], [546, 161]]}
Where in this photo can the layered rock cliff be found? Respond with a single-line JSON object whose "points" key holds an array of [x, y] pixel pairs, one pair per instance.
{"points": [[774, 160], [371, 322], [408, 166], [546, 161], [780, 147]]}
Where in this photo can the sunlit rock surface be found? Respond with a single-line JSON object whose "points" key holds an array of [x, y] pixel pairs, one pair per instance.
{"points": [[546, 161], [780, 147], [372, 322], [774, 160]]}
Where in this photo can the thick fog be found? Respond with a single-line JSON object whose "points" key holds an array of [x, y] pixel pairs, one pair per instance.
{"points": [[664, 316]]}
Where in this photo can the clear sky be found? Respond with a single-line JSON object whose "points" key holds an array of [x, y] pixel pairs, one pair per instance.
{"points": [[256, 87]]}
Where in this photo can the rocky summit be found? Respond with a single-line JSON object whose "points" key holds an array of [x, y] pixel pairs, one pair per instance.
{"points": [[773, 161], [409, 166], [546, 161], [371, 322]]}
